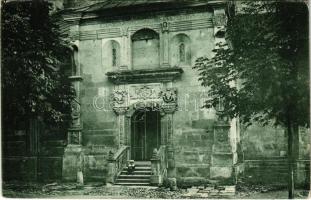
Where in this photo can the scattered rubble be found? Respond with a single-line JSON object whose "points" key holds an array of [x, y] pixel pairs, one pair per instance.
{"points": [[59, 189], [209, 191]]}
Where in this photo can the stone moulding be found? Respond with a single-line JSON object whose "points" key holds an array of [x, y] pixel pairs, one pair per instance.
{"points": [[75, 78], [166, 74]]}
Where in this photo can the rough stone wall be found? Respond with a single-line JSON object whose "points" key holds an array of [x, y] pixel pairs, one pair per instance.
{"points": [[265, 153], [98, 135], [193, 131]]}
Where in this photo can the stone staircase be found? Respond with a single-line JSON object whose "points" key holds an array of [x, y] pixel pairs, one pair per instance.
{"points": [[140, 176]]}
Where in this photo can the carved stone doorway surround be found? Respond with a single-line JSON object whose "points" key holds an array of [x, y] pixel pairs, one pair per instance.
{"points": [[166, 104]]}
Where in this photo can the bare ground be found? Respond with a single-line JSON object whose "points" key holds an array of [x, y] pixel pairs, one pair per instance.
{"points": [[97, 190]]}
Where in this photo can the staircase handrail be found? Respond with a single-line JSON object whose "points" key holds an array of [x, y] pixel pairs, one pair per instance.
{"points": [[118, 161], [120, 152], [163, 162]]}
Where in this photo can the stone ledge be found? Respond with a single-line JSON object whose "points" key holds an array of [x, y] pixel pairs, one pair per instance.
{"points": [[165, 74]]}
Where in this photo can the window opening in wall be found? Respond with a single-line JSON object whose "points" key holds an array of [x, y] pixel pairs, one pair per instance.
{"points": [[182, 55], [114, 57], [145, 49]]}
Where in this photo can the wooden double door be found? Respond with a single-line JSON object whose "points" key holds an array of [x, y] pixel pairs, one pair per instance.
{"points": [[145, 134]]}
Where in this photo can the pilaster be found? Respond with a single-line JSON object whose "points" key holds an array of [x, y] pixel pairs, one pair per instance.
{"points": [[219, 21], [223, 158], [168, 107], [125, 58], [156, 178], [73, 153], [121, 111], [165, 44]]}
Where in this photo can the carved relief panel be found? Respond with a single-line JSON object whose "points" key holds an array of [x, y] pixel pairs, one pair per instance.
{"points": [[141, 96]]}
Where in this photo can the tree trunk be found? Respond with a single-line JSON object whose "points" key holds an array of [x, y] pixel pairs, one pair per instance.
{"points": [[292, 134]]}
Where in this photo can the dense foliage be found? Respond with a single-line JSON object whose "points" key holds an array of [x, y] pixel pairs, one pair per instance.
{"points": [[262, 74], [34, 61]]}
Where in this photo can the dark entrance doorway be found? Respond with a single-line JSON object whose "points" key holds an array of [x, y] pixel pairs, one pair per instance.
{"points": [[145, 134]]}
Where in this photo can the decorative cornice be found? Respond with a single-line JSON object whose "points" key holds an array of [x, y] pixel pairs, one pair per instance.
{"points": [[145, 76], [75, 78], [110, 32], [87, 35], [72, 129], [191, 24], [172, 26]]}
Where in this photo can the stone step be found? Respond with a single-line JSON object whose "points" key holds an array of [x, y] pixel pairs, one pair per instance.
{"points": [[142, 163], [133, 184], [139, 177], [132, 180], [124, 172], [138, 168], [131, 176]]}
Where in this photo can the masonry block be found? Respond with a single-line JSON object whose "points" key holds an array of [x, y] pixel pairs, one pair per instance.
{"points": [[221, 172], [71, 162], [222, 159]]}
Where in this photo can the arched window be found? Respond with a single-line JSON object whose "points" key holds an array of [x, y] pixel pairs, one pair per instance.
{"points": [[182, 55], [145, 49], [74, 61], [114, 57], [111, 54]]}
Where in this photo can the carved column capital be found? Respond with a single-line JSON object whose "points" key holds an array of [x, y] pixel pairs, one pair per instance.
{"points": [[120, 110], [168, 108], [124, 31]]}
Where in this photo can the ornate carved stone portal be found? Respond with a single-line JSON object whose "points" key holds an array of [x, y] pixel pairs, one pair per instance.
{"points": [[147, 97]]}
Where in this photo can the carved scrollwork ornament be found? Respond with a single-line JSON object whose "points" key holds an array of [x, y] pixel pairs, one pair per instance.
{"points": [[120, 110], [124, 31], [169, 95], [74, 137], [75, 110], [144, 92], [118, 96], [110, 155], [219, 20], [155, 154]]}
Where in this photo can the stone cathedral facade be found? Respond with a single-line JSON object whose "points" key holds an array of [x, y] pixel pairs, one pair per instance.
{"points": [[139, 98]]}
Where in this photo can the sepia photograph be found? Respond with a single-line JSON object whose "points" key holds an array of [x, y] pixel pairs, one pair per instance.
{"points": [[155, 99]]}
